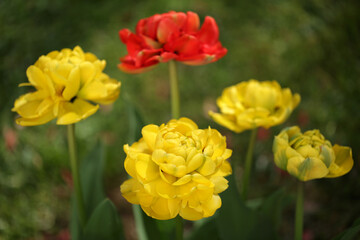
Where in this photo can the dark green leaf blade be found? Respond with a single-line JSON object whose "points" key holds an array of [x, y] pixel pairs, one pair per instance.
{"points": [[104, 223], [91, 175]]}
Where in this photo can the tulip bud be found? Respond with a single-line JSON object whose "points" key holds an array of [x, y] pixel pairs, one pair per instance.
{"points": [[309, 155]]}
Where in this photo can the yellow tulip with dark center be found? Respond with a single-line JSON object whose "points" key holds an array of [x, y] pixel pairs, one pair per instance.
{"points": [[309, 155], [65, 82], [254, 104], [177, 168]]}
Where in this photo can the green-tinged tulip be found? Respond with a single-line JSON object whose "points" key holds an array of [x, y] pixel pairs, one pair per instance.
{"points": [[309, 155]]}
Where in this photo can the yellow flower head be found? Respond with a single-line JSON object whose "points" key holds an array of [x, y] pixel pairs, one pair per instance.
{"points": [[177, 168], [64, 84], [309, 155], [253, 104]]}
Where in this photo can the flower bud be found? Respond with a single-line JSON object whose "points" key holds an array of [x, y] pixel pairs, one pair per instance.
{"points": [[309, 155]]}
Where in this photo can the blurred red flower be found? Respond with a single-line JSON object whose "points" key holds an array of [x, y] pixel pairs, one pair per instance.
{"points": [[171, 36], [10, 138]]}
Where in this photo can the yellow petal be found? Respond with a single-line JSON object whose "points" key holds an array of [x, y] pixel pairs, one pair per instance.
{"points": [[221, 184], [226, 121], [159, 156], [184, 125], [165, 189], [42, 119], [145, 199], [167, 177], [93, 91], [146, 168], [38, 79], [31, 104], [129, 165], [174, 159], [161, 209], [195, 162], [129, 190], [87, 72], [190, 214], [343, 162], [149, 134], [208, 167], [211, 205], [177, 171], [185, 179], [72, 85], [74, 112]]}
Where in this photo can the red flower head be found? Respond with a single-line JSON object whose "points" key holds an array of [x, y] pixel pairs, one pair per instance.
{"points": [[171, 36]]}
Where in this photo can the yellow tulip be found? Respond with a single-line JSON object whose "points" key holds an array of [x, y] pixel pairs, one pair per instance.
{"points": [[309, 155], [254, 104], [65, 81], [177, 168]]}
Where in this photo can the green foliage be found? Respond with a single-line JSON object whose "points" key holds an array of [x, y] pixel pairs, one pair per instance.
{"points": [[237, 221], [104, 223], [350, 233], [206, 231], [103, 220]]}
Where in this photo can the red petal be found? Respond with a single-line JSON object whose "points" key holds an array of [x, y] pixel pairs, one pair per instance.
{"points": [[124, 35], [185, 45], [167, 56], [203, 58], [200, 59], [166, 29], [192, 22], [132, 69], [178, 18], [209, 32], [148, 26], [135, 44], [145, 54]]}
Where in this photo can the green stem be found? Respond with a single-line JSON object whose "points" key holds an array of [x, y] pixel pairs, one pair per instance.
{"points": [[140, 226], [248, 163], [299, 215], [75, 174], [175, 99], [179, 228]]}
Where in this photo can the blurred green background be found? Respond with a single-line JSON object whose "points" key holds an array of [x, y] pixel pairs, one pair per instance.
{"points": [[312, 47]]}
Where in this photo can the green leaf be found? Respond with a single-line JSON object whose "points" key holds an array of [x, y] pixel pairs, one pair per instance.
{"points": [[236, 221], [91, 176], [104, 223], [135, 121], [351, 232], [205, 231], [273, 206]]}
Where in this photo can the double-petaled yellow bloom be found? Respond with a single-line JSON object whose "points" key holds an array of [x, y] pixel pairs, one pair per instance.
{"points": [[65, 82], [254, 104], [309, 155], [177, 168]]}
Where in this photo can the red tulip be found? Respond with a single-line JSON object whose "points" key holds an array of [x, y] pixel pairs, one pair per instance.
{"points": [[171, 36]]}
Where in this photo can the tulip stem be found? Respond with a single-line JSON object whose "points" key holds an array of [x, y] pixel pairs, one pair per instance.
{"points": [[299, 215], [175, 99], [179, 228], [248, 163], [75, 174]]}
